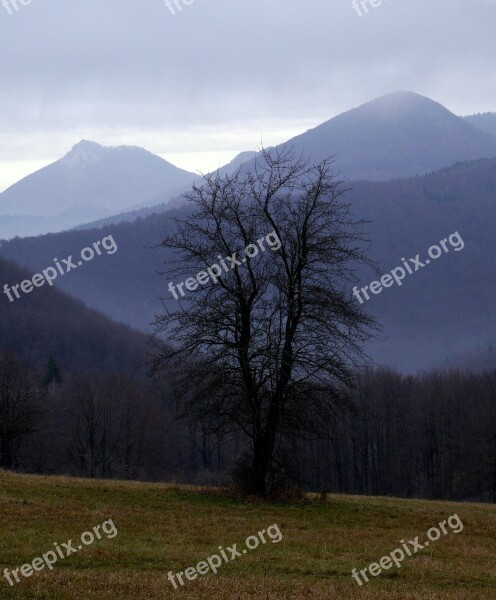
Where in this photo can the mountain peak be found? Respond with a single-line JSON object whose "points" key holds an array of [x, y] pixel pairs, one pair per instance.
{"points": [[84, 151], [403, 104], [88, 183], [404, 96], [86, 145], [401, 134]]}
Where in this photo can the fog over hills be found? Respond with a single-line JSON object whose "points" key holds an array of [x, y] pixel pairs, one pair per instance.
{"points": [[398, 135], [47, 322], [425, 322], [483, 121], [444, 311], [88, 183]]}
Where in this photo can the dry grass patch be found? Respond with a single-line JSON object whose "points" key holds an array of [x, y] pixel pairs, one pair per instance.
{"points": [[168, 528]]}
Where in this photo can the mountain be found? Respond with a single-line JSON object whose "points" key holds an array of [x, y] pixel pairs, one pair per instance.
{"points": [[90, 182], [483, 121], [132, 215], [445, 312], [163, 199], [441, 312], [398, 135], [239, 160], [162, 202], [47, 322]]}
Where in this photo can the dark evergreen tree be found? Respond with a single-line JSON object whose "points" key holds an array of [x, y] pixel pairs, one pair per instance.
{"points": [[52, 373]]}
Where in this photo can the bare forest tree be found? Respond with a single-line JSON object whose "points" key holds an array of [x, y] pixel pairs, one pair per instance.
{"points": [[268, 347], [109, 421], [19, 408], [426, 436]]}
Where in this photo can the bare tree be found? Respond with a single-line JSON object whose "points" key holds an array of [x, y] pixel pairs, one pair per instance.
{"points": [[269, 345], [97, 425], [19, 409]]}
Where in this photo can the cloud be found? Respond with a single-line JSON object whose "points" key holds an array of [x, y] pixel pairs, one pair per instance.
{"points": [[131, 68]]}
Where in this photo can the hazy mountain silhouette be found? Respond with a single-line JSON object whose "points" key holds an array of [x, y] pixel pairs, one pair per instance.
{"points": [[47, 322], [163, 200], [90, 182], [483, 121], [239, 160], [398, 135], [444, 310]]}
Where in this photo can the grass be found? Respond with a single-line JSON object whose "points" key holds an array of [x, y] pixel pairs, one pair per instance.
{"points": [[166, 528]]}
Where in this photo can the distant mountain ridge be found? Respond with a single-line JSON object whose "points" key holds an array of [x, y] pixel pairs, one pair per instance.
{"points": [[163, 199], [239, 160], [483, 121], [90, 182], [49, 322], [398, 135], [443, 312]]}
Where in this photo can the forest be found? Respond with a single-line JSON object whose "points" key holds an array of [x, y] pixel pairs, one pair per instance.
{"points": [[427, 436]]}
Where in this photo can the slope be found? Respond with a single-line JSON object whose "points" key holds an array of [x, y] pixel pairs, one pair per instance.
{"points": [[48, 322], [159, 528], [445, 309], [88, 183]]}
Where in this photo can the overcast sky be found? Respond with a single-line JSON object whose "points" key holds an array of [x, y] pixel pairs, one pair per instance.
{"points": [[201, 85]]}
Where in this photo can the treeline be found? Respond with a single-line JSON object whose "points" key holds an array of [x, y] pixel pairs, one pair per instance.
{"points": [[429, 436], [101, 426]]}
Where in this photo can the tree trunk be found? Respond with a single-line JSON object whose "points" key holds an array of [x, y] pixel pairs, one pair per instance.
{"points": [[6, 456], [263, 451]]}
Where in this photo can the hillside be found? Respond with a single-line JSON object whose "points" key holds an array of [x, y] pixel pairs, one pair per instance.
{"points": [[163, 201], [483, 121], [398, 135], [163, 528], [48, 322], [443, 311], [132, 215], [88, 183]]}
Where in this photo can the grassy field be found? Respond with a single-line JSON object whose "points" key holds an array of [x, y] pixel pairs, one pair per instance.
{"points": [[164, 528]]}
